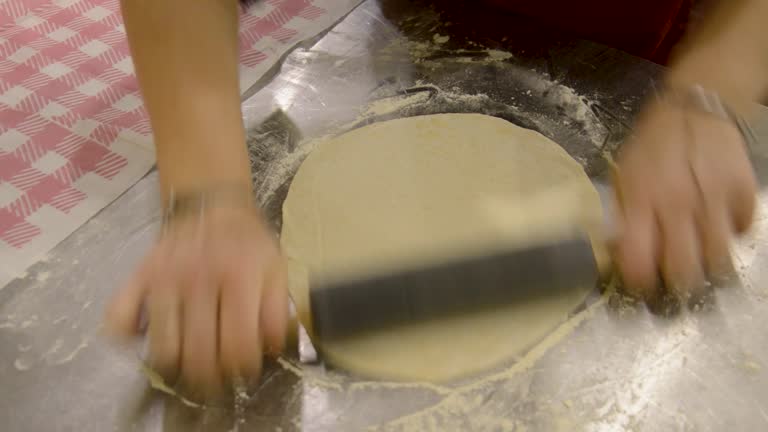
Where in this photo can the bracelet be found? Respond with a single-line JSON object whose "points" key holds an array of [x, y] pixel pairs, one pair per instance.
{"points": [[708, 102], [199, 201]]}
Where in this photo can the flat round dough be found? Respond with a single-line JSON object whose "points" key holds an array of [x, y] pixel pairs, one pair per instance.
{"points": [[425, 188]]}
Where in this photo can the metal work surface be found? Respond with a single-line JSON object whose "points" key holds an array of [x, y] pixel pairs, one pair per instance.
{"points": [[611, 367]]}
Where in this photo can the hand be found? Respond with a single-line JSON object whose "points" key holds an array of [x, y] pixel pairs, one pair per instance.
{"points": [[215, 293], [686, 186]]}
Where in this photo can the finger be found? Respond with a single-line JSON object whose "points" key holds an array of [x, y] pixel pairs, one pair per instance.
{"points": [[240, 331], [715, 226], [741, 190], [681, 251], [199, 360], [716, 233], [122, 314], [637, 246], [274, 309], [742, 202], [164, 332]]}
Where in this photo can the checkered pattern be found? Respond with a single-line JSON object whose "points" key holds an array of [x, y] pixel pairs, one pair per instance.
{"points": [[73, 130]]}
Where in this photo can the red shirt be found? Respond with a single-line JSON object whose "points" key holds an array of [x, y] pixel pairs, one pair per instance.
{"points": [[647, 28]]}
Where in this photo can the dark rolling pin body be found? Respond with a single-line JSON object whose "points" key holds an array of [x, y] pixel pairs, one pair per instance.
{"points": [[348, 307]]}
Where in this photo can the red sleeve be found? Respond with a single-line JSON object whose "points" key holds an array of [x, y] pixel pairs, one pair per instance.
{"points": [[646, 28]]}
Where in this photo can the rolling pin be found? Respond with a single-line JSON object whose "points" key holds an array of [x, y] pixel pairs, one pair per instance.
{"points": [[347, 307]]}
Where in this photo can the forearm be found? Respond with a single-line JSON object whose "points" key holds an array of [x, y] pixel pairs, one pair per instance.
{"points": [[186, 59], [728, 54]]}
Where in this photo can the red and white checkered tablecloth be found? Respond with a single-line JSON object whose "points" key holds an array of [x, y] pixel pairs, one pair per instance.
{"points": [[73, 131]]}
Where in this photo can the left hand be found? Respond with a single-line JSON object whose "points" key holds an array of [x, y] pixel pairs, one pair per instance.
{"points": [[686, 186], [216, 297]]}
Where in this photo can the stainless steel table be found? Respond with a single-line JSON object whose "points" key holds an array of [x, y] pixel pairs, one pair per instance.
{"points": [[611, 367]]}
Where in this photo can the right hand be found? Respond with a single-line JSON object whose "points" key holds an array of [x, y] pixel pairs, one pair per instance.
{"points": [[687, 187], [215, 292]]}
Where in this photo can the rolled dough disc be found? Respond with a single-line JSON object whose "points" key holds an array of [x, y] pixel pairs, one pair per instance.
{"points": [[424, 188]]}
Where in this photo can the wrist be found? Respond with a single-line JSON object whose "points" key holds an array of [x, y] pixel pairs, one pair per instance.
{"points": [[213, 199], [695, 98], [210, 187], [718, 66]]}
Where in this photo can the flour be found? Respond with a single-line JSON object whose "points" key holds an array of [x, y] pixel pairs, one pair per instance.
{"points": [[22, 365], [439, 39], [72, 354], [379, 385], [752, 367], [157, 382], [31, 322], [498, 54], [574, 106], [53, 349], [393, 104], [326, 380], [465, 402], [43, 276]]}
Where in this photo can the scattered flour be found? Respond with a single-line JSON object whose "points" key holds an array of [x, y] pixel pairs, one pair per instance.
{"points": [[463, 404], [31, 322], [72, 354], [158, 383], [498, 54], [394, 104], [22, 365], [43, 276], [439, 39]]}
